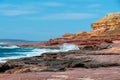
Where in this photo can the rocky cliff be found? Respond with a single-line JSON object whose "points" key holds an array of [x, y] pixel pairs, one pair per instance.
{"points": [[109, 22], [103, 30]]}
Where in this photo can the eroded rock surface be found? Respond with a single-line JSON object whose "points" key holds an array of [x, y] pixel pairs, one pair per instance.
{"points": [[60, 61], [105, 30]]}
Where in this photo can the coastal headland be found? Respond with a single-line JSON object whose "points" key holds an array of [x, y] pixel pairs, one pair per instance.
{"points": [[97, 59]]}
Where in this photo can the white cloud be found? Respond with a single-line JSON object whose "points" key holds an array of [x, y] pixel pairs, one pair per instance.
{"points": [[21, 9], [66, 16], [15, 12], [53, 4]]}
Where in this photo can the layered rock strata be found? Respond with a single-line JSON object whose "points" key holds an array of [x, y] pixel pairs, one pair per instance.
{"points": [[105, 30]]}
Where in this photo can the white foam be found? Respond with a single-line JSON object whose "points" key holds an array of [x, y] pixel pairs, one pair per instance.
{"points": [[9, 47], [3, 60], [37, 52]]}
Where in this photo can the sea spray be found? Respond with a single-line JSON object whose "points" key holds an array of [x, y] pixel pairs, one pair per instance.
{"points": [[68, 46]]}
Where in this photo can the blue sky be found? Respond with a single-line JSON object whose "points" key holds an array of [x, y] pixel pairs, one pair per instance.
{"points": [[44, 19]]}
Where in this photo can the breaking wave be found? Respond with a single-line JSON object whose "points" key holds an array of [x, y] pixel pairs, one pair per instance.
{"points": [[67, 47], [8, 47], [15, 52]]}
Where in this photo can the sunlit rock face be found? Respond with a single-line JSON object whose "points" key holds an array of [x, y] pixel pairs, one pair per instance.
{"points": [[109, 22], [68, 36], [107, 28]]}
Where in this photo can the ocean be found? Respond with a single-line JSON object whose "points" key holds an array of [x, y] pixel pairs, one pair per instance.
{"points": [[15, 52]]}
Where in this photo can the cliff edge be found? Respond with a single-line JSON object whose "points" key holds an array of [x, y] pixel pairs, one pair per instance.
{"points": [[103, 30]]}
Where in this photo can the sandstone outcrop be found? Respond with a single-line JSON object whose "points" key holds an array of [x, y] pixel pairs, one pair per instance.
{"points": [[109, 22], [69, 36], [107, 28]]}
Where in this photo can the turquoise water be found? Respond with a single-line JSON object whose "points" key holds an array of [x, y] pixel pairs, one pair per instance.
{"points": [[14, 52]]}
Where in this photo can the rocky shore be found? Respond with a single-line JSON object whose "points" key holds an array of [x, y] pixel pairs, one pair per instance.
{"points": [[61, 61], [97, 59], [71, 65]]}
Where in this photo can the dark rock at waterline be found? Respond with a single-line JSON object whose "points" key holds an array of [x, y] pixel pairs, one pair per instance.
{"points": [[4, 67], [96, 47], [60, 61]]}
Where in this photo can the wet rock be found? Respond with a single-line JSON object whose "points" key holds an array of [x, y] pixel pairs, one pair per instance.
{"points": [[60, 61], [4, 67]]}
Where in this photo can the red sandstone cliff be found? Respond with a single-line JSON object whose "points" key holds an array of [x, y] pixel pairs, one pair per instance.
{"points": [[104, 30]]}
